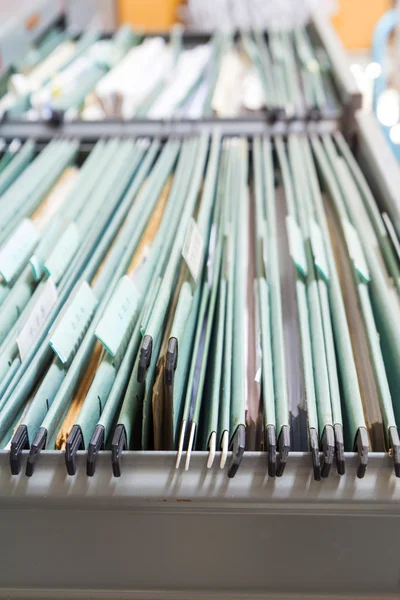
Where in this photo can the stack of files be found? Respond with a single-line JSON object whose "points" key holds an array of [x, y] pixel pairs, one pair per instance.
{"points": [[217, 294], [64, 230], [58, 84], [284, 74], [281, 73]]}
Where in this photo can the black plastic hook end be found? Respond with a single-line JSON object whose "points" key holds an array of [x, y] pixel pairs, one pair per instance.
{"points": [[339, 445], [271, 450], [314, 445], [54, 117], [19, 442], [362, 447], [237, 446], [328, 450], [146, 350], [38, 444], [314, 113], [119, 443], [171, 361], [394, 444], [283, 449], [73, 444], [275, 114], [95, 445]]}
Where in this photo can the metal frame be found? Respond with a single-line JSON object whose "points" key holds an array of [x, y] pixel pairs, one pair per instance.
{"points": [[198, 534], [92, 130], [150, 480]]}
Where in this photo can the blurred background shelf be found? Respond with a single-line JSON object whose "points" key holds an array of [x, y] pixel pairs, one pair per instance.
{"points": [[23, 24]]}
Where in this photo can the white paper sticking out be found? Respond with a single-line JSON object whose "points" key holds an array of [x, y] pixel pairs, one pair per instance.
{"points": [[253, 97], [226, 101], [190, 67], [150, 63]]}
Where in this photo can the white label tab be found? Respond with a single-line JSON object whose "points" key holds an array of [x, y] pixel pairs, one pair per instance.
{"points": [[193, 249], [30, 331], [18, 249], [117, 317], [73, 322]]}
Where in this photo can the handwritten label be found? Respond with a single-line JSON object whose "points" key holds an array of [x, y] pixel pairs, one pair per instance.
{"points": [[318, 249], [18, 249], [296, 244], [355, 249], [73, 322], [33, 326], [193, 249], [63, 253], [117, 317]]}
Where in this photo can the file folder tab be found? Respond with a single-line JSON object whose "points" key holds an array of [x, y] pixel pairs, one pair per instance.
{"points": [[193, 249], [71, 327], [37, 318], [116, 321]]}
